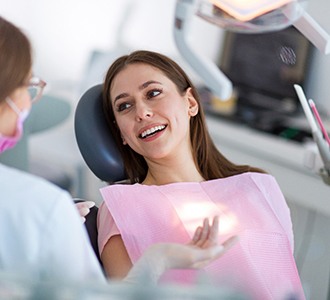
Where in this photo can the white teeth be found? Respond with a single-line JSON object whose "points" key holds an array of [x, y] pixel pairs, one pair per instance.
{"points": [[152, 130]]}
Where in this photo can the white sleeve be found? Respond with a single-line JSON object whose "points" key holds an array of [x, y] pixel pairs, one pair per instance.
{"points": [[66, 249]]}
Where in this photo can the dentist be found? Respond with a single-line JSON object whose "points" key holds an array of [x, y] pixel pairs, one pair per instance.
{"points": [[36, 238]]}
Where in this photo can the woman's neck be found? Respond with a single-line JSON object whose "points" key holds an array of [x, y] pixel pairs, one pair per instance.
{"points": [[160, 173]]}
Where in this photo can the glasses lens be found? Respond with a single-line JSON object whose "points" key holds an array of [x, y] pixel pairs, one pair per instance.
{"points": [[35, 88], [35, 93]]}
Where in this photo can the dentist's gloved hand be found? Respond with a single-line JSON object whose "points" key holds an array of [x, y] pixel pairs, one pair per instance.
{"points": [[202, 250], [84, 208]]}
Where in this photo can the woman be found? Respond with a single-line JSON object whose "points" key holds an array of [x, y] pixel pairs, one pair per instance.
{"points": [[180, 177], [41, 233]]}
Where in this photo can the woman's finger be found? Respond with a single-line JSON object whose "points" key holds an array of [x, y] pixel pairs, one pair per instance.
{"points": [[204, 233], [212, 253], [196, 236], [230, 242], [214, 231]]}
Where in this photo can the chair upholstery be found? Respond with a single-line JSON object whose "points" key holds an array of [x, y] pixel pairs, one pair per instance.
{"points": [[94, 138]]}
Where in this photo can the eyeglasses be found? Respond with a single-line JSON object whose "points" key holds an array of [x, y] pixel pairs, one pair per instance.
{"points": [[35, 88]]}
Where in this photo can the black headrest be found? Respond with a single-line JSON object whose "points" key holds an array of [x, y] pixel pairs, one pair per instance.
{"points": [[94, 138]]}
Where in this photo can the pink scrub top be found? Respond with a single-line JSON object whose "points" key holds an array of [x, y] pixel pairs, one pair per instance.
{"points": [[250, 205]]}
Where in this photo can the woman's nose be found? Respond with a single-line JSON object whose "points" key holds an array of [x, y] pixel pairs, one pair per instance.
{"points": [[143, 111]]}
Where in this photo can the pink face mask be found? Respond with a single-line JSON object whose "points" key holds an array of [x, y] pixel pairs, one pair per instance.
{"points": [[7, 142]]}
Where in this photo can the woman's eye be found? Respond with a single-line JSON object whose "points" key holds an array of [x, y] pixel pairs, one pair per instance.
{"points": [[153, 93], [123, 106]]}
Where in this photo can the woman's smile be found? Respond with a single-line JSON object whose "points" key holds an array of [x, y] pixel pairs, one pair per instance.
{"points": [[150, 132]]}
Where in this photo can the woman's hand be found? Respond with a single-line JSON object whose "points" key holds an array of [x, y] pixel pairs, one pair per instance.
{"points": [[202, 250]]}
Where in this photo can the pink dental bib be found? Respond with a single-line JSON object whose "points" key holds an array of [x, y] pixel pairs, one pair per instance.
{"points": [[250, 205]]}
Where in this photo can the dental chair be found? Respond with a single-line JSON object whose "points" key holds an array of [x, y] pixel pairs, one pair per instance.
{"points": [[97, 148], [94, 138]]}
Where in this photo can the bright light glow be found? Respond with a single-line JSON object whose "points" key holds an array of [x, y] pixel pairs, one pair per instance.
{"points": [[245, 10], [192, 215]]}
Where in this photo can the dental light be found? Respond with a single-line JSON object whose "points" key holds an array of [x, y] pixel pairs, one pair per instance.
{"points": [[245, 16]]}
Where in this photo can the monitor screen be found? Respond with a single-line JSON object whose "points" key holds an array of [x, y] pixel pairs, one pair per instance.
{"points": [[266, 64]]}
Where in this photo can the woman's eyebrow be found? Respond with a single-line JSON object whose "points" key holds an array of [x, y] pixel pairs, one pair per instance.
{"points": [[123, 95], [141, 87], [146, 84]]}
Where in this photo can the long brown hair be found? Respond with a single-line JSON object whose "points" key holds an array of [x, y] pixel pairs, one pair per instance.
{"points": [[210, 162], [15, 58]]}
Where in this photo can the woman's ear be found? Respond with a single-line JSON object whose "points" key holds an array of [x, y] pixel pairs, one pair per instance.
{"points": [[123, 139], [192, 102]]}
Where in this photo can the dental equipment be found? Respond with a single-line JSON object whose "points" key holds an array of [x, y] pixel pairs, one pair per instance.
{"points": [[319, 120], [245, 17], [319, 133]]}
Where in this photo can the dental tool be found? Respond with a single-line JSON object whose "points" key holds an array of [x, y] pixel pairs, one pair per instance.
{"points": [[320, 140], [319, 120]]}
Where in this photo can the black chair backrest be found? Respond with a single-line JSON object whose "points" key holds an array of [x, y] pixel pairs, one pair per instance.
{"points": [[94, 139], [91, 228]]}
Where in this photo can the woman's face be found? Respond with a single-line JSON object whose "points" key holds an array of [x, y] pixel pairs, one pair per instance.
{"points": [[8, 117], [153, 117]]}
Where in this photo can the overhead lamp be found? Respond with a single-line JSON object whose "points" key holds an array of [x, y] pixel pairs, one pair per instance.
{"points": [[250, 16], [245, 10]]}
